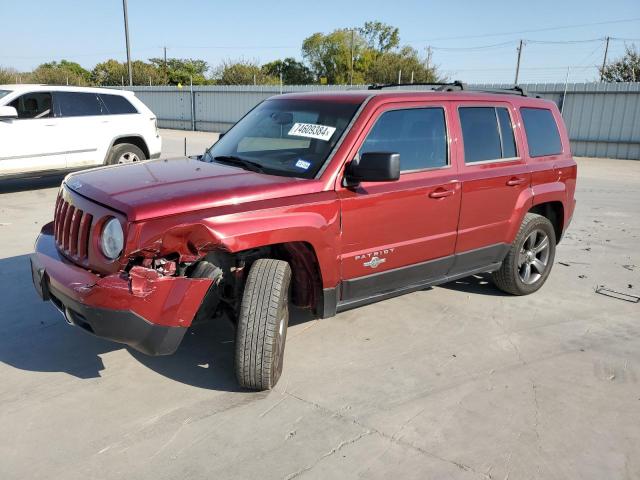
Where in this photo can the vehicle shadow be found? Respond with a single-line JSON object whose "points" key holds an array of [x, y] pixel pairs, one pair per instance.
{"points": [[480, 284], [35, 337], [11, 185]]}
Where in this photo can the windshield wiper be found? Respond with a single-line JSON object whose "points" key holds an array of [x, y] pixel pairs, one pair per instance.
{"points": [[241, 162]]}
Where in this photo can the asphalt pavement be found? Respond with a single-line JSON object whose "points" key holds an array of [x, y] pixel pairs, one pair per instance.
{"points": [[458, 381]]}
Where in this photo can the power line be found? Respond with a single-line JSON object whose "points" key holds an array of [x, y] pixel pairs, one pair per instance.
{"points": [[546, 29]]}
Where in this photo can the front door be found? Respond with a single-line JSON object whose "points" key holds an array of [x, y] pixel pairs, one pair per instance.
{"points": [[400, 234], [31, 142]]}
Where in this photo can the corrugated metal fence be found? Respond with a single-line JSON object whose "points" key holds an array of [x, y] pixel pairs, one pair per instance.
{"points": [[603, 119]]}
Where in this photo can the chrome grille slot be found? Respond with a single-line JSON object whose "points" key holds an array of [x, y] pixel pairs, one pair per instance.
{"points": [[71, 227]]}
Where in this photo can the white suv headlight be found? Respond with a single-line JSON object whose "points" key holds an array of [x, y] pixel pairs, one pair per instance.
{"points": [[112, 239]]}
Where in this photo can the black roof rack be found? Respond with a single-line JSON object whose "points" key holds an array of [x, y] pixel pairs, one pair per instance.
{"points": [[440, 86], [456, 84]]}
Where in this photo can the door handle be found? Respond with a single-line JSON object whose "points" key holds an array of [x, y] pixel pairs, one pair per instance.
{"points": [[441, 193], [513, 181]]}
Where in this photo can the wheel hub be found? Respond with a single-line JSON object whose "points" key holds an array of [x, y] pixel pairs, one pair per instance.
{"points": [[534, 257]]}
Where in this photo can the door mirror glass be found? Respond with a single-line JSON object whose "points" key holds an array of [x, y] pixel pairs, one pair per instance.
{"points": [[8, 112], [374, 167]]}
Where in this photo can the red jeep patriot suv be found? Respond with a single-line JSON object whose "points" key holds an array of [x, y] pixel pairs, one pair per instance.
{"points": [[325, 200]]}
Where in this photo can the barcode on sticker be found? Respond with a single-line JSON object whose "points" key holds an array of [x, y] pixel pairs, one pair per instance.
{"points": [[311, 130]]}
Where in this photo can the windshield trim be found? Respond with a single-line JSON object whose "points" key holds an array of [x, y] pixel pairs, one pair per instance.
{"points": [[338, 144]]}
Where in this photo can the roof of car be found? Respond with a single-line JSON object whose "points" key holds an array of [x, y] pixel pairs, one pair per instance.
{"points": [[358, 96], [30, 87]]}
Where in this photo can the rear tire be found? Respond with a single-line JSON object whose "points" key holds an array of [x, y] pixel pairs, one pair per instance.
{"points": [[124, 153], [262, 324], [530, 258]]}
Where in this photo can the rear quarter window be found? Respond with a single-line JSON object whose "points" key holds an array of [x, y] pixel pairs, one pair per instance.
{"points": [[542, 133], [117, 104]]}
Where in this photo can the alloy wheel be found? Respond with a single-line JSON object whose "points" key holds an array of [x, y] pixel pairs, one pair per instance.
{"points": [[533, 258]]}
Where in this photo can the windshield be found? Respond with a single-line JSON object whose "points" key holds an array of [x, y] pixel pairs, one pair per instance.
{"points": [[4, 92], [285, 137]]}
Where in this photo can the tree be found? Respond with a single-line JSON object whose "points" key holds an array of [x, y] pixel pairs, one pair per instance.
{"points": [[243, 72], [55, 73], [8, 75], [182, 70], [380, 36], [293, 72], [377, 56], [406, 61], [624, 69], [112, 73], [330, 55]]}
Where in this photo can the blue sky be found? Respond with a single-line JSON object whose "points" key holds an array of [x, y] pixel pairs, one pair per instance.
{"points": [[90, 31]]}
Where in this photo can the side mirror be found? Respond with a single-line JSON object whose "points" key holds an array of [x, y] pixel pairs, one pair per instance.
{"points": [[374, 167], [8, 112]]}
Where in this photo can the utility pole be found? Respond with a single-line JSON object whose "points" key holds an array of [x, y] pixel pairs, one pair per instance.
{"points": [[428, 57], [351, 75], [604, 60], [166, 76], [126, 34], [564, 94], [518, 64]]}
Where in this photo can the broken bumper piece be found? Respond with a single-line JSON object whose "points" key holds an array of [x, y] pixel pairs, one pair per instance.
{"points": [[142, 309]]}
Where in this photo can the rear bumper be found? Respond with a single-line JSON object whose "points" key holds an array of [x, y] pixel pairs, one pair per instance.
{"points": [[146, 311]]}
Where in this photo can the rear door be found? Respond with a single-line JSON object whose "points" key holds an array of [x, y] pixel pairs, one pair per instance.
{"points": [[494, 175], [31, 142], [82, 125], [398, 234]]}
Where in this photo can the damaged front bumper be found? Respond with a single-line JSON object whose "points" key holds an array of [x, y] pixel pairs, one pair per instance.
{"points": [[142, 308]]}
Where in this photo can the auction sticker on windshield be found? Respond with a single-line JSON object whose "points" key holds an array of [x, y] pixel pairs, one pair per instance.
{"points": [[310, 130]]}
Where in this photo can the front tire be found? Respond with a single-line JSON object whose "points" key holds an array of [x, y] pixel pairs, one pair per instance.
{"points": [[530, 258], [262, 324]]}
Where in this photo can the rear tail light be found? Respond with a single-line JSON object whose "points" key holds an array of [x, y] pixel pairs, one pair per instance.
{"points": [[155, 124]]}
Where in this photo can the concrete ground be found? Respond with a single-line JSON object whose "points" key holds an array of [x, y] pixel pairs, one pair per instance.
{"points": [[458, 381]]}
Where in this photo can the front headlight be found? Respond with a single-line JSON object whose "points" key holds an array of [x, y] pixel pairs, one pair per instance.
{"points": [[112, 239]]}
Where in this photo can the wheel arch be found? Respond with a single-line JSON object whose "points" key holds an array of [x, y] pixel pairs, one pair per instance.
{"points": [[554, 212], [133, 139]]}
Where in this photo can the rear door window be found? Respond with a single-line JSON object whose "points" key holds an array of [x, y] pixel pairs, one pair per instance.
{"points": [[33, 105], [78, 104], [542, 132], [487, 134], [506, 133], [117, 104], [419, 135]]}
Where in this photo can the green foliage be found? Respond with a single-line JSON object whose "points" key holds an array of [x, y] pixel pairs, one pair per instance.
{"points": [[624, 69], [243, 72], [61, 73], [182, 70], [112, 72], [380, 36], [293, 72], [377, 56], [330, 55], [8, 75], [387, 66]]}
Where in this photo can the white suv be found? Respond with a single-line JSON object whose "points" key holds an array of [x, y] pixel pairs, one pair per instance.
{"points": [[46, 128]]}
